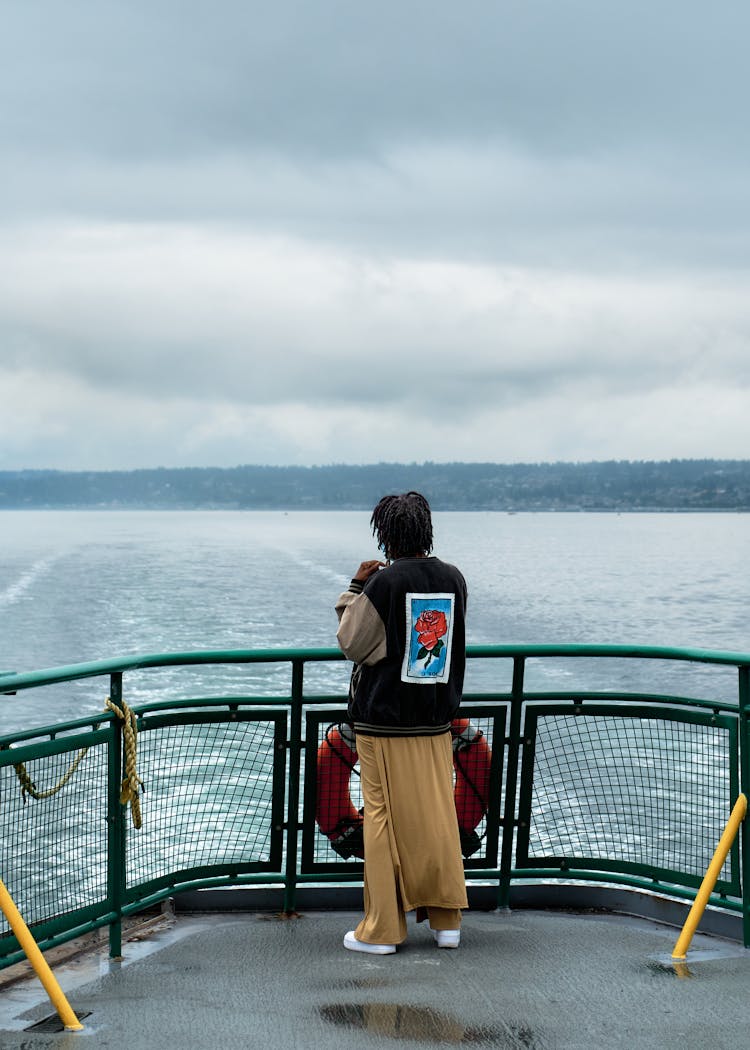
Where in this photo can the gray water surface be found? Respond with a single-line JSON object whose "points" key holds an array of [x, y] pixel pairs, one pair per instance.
{"points": [[87, 585]]}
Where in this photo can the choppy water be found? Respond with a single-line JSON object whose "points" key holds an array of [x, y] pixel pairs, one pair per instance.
{"points": [[78, 586], [85, 585]]}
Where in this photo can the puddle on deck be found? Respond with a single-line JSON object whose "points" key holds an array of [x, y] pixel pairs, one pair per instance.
{"points": [[671, 969], [425, 1024]]}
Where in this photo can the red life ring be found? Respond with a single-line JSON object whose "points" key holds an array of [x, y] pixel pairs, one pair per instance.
{"points": [[342, 823], [472, 759]]}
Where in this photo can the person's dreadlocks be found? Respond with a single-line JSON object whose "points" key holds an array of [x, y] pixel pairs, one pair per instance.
{"points": [[403, 525]]}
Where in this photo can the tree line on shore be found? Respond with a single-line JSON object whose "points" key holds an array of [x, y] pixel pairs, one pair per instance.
{"points": [[614, 485]]}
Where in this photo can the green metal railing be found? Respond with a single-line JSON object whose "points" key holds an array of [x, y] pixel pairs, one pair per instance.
{"points": [[628, 788]]}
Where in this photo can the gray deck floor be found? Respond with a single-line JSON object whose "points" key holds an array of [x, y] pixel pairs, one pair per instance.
{"points": [[521, 979]]}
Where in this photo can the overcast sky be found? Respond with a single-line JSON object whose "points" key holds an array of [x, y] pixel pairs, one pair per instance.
{"points": [[328, 231]]}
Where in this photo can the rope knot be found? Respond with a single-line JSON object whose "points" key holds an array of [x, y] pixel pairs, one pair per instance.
{"points": [[132, 785]]}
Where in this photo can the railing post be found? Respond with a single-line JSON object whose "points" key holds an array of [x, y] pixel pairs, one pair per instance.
{"points": [[292, 819], [39, 963], [744, 706], [116, 874], [733, 825], [511, 782]]}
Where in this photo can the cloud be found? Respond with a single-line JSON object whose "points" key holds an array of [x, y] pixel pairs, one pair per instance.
{"points": [[485, 202], [314, 232], [191, 344], [71, 424], [204, 307], [336, 78]]}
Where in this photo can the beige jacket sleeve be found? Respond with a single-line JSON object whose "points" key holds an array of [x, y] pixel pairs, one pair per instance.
{"points": [[361, 633]]}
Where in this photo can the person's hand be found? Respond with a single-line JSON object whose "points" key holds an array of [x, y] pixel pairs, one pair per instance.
{"points": [[367, 569]]}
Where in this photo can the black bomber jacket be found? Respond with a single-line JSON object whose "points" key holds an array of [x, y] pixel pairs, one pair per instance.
{"points": [[404, 628]]}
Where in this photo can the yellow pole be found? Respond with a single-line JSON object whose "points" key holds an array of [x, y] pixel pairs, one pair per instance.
{"points": [[709, 879], [37, 960]]}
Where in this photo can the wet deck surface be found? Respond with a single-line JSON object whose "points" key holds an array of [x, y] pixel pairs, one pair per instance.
{"points": [[522, 979]]}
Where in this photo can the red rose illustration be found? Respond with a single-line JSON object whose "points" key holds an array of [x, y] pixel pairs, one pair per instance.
{"points": [[431, 626]]}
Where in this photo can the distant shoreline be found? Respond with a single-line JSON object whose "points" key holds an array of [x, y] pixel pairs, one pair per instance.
{"points": [[174, 509], [617, 486]]}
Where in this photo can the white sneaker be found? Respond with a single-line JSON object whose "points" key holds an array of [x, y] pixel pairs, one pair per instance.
{"points": [[447, 938], [351, 942]]}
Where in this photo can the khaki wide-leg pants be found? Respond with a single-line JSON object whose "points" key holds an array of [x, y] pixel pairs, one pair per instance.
{"points": [[412, 848]]}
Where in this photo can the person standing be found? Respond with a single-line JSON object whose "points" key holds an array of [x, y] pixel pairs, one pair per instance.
{"points": [[402, 624]]}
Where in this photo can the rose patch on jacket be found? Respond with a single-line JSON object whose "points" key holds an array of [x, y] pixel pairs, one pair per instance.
{"points": [[429, 629]]}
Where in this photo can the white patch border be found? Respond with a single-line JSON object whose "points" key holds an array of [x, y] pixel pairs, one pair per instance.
{"points": [[444, 675]]}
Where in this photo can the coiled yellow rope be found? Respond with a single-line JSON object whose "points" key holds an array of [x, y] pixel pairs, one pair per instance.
{"points": [[28, 787], [132, 783]]}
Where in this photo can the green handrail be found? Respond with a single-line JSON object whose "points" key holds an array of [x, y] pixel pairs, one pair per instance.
{"points": [[524, 715], [120, 665]]}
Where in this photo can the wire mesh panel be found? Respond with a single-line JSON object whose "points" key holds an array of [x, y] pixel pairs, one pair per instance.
{"points": [[333, 814], [213, 797], [53, 826], [629, 790]]}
